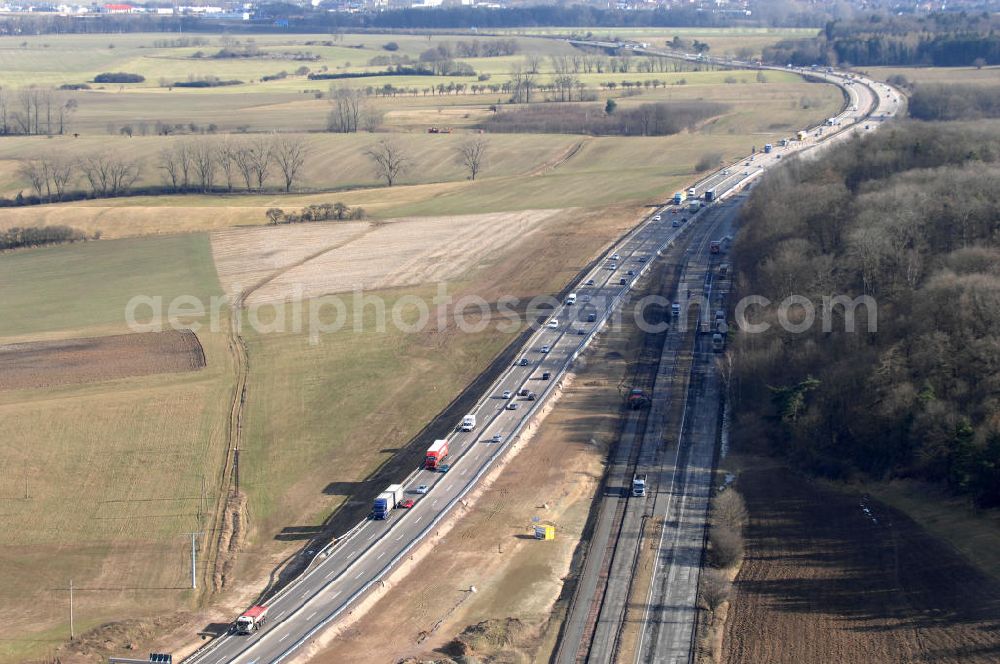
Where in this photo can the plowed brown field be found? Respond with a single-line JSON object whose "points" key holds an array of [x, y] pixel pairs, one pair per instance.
{"points": [[73, 361], [826, 581]]}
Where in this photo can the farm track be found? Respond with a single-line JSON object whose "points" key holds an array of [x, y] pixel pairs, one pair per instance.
{"points": [[226, 540]]}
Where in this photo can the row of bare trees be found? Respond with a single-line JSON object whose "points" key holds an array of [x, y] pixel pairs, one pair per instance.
{"points": [[196, 164], [53, 176], [35, 110], [188, 165]]}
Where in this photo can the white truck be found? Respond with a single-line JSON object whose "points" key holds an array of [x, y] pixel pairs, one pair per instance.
{"points": [[468, 423], [251, 620], [571, 298]]}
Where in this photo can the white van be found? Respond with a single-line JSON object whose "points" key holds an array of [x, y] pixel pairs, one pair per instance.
{"points": [[468, 423], [571, 298]]}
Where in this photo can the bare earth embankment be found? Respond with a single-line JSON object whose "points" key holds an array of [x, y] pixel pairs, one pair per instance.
{"points": [[824, 580]]}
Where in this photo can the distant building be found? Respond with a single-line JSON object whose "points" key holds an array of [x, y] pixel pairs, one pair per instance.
{"points": [[118, 9]]}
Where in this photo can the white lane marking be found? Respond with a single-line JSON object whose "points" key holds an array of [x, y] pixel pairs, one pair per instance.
{"points": [[304, 595], [372, 537], [434, 503], [463, 471], [399, 538], [281, 614], [418, 520], [283, 638], [310, 617], [335, 594], [360, 574], [330, 574], [379, 556], [449, 487]]}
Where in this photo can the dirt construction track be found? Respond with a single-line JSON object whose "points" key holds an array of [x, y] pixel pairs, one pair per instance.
{"points": [[72, 361], [826, 581]]}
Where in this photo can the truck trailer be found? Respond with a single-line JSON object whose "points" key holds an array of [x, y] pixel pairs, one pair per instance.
{"points": [[387, 501], [679, 197], [694, 206], [251, 620], [768, 148], [436, 454], [709, 195]]}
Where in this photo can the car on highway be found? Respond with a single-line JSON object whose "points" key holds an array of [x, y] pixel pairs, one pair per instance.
{"points": [[524, 362], [423, 488], [546, 375], [631, 273], [622, 281], [580, 331], [523, 392], [545, 349], [675, 223], [615, 257], [612, 266], [512, 405], [640, 259], [444, 467], [591, 318], [507, 394], [531, 396], [684, 220], [656, 218], [406, 504], [726, 172], [497, 437], [553, 324], [589, 282]]}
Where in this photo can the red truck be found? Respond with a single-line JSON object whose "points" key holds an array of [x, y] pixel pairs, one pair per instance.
{"points": [[251, 620], [436, 453]]}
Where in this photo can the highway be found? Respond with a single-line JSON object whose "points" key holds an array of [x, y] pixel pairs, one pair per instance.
{"points": [[341, 574], [345, 571], [679, 474]]}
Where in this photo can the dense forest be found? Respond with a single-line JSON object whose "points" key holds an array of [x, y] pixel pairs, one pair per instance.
{"points": [[941, 40], [954, 102], [909, 216]]}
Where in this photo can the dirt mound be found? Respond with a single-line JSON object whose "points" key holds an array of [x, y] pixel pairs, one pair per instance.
{"points": [[830, 577], [72, 361], [497, 635]]}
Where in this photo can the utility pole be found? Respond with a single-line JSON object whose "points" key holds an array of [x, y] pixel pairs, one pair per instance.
{"points": [[194, 559], [72, 633]]}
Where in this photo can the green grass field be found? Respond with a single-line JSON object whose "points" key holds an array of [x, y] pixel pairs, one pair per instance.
{"points": [[74, 287], [967, 75]]}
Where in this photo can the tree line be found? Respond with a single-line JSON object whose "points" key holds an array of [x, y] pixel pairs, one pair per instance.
{"points": [[187, 165], [909, 216], [655, 119], [939, 39], [23, 238], [34, 110]]}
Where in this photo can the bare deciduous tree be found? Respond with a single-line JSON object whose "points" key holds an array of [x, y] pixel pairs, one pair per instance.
{"points": [[472, 154], [348, 110], [49, 176], [204, 162], [714, 588], [261, 154], [389, 159], [109, 175], [290, 154], [226, 158]]}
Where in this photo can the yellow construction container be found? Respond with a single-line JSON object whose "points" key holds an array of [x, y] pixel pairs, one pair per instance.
{"points": [[545, 532]]}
